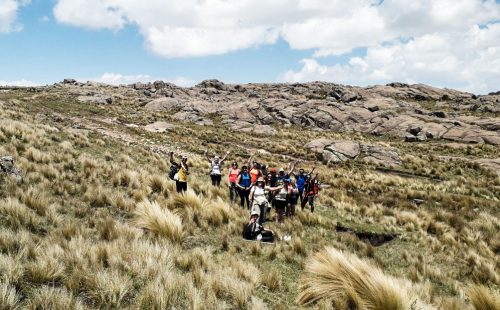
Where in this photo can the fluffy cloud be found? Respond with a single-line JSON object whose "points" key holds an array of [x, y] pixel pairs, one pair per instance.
{"points": [[8, 15], [468, 61], [118, 79], [439, 40]]}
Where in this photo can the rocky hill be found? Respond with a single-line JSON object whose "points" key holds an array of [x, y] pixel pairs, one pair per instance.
{"points": [[411, 112]]}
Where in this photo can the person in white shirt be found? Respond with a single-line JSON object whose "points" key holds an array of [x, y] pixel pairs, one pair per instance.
{"points": [[216, 168]]}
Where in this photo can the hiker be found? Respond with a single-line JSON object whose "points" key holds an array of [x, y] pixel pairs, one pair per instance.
{"points": [[311, 190], [301, 178], [258, 199], [255, 172], [181, 176], [244, 184], [282, 175], [254, 230], [293, 197], [232, 179], [216, 168], [281, 200]]}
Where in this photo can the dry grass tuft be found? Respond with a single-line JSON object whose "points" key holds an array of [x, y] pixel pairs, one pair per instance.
{"points": [[53, 298], [272, 280], [346, 279], [107, 289], [482, 298], [9, 299], [160, 221]]}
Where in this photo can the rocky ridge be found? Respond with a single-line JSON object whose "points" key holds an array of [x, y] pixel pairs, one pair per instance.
{"points": [[413, 113]]}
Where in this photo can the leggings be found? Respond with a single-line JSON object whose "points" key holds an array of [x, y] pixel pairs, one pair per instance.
{"points": [[216, 179], [233, 192], [244, 196]]}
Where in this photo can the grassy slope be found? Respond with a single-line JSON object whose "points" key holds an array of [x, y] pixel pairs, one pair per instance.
{"points": [[68, 229]]}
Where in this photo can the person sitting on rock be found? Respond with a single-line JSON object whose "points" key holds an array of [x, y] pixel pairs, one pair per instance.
{"points": [[254, 230], [181, 177], [216, 168]]}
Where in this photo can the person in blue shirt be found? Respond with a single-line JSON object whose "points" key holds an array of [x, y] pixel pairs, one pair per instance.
{"points": [[301, 179]]}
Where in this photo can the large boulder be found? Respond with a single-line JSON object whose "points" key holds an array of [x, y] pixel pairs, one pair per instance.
{"points": [[159, 127], [332, 151], [7, 166]]}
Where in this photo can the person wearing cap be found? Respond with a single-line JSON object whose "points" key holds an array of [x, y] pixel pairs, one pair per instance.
{"points": [[182, 174], [216, 168], [254, 230]]}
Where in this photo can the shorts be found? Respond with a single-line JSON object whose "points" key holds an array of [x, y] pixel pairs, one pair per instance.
{"points": [[181, 186], [280, 204]]}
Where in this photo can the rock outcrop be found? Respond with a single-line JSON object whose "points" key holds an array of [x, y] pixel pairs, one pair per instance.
{"points": [[414, 113], [7, 166], [332, 151]]}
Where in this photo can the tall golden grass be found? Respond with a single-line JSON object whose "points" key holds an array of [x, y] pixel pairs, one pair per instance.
{"points": [[160, 221], [482, 298], [347, 280]]}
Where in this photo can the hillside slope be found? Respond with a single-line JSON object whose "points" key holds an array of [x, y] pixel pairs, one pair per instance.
{"points": [[95, 223]]}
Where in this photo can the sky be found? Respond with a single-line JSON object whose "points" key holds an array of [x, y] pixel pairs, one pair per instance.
{"points": [[444, 43]]}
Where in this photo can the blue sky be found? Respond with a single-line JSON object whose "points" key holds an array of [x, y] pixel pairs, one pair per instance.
{"points": [[359, 42]]}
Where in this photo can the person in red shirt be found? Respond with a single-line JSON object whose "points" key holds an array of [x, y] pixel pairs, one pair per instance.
{"points": [[232, 179], [255, 172]]}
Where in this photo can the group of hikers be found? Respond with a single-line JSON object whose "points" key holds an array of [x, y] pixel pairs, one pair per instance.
{"points": [[259, 188]]}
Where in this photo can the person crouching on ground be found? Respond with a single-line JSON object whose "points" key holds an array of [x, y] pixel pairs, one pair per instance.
{"points": [[255, 231], [216, 168], [182, 173]]}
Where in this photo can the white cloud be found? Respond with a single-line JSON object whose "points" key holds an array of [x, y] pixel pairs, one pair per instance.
{"points": [[8, 15], [120, 79], [440, 59], [21, 82], [433, 41]]}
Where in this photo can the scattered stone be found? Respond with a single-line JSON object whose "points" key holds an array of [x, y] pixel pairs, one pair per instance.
{"points": [[159, 127], [439, 114], [7, 166], [96, 99], [418, 202]]}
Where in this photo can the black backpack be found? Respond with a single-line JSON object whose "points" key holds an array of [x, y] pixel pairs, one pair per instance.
{"points": [[173, 172]]}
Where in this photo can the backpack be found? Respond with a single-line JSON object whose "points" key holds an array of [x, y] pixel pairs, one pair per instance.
{"points": [[173, 171], [245, 179]]}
